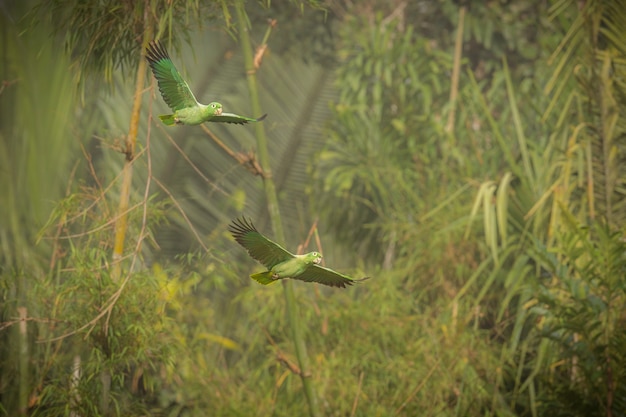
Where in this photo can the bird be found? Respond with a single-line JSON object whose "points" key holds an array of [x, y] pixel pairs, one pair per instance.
{"points": [[176, 93], [281, 263]]}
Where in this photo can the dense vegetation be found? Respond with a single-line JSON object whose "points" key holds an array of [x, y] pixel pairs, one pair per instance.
{"points": [[470, 158]]}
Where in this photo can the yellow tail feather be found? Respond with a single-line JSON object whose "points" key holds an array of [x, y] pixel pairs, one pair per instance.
{"points": [[168, 119], [264, 278]]}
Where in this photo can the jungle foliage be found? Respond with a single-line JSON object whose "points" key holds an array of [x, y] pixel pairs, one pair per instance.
{"points": [[469, 158]]}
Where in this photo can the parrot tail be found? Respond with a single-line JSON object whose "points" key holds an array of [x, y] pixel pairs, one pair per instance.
{"points": [[168, 119], [264, 278]]}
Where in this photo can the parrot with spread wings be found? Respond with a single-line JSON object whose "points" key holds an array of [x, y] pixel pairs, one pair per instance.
{"points": [[178, 96], [281, 263]]}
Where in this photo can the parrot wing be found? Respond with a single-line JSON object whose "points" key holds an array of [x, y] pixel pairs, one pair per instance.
{"points": [[258, 246], [173, 87], [235, 118], [327, 276]]}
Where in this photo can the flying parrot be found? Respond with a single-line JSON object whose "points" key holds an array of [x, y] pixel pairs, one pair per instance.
{"points": [[283, 264], [178, 96]]}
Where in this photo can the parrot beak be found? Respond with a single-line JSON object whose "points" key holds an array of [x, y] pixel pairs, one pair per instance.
{"points": [[218, 111], [317, 260]]}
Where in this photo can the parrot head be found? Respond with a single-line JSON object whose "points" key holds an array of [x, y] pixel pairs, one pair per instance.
{"points": [[316, 256], [217, 107]]}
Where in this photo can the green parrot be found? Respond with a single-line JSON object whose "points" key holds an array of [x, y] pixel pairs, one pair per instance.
{"points": [[178, 96], [283, 264]]}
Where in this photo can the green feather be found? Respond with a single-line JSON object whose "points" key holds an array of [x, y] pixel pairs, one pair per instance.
{"points": [[264, 278], [234, 118], [259, 247], [173, 87], [168, 119]]}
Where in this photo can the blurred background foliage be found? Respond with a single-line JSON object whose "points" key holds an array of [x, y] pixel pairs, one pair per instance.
{"points": [[478, 180]]}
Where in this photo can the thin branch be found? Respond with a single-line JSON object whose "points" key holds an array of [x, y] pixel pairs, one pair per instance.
{"points": [[7, 324], [418, 387], [280, 357], [357, 395], [248, 161], [109, 305], [182, 212], [312, 230], [55, 244], [261, 49], [190, 162], [96, 229], [6, 83]]}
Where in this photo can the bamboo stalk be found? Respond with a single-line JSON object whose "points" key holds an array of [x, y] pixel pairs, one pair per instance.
{"points": [[23, 363], [273, 209], [74, 381], [456, 71], [121, 223]]}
